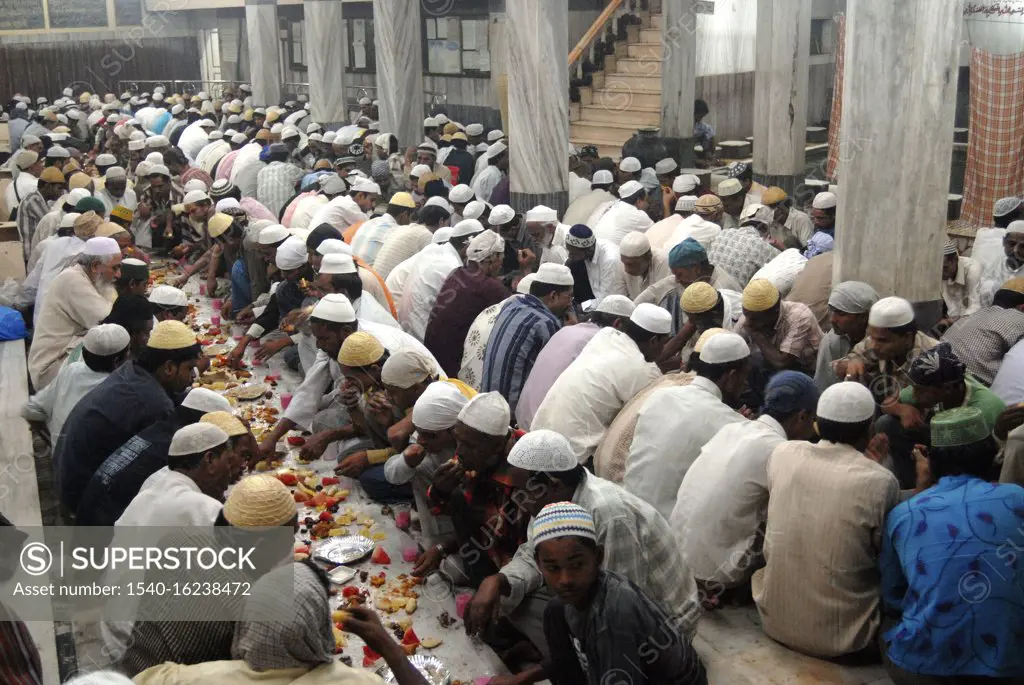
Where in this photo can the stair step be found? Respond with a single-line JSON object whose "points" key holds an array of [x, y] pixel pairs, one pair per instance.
{"points": [[650, 35], [603, 149], [650, 66], [656, 21], [621, 110], [614, 98], [645, 50], [632, 82]]}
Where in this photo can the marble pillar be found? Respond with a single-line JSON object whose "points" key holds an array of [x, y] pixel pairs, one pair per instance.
{"points": [[898, 103], [396, 31], [264, 41], [326, 43], [780, 92], [678, 77], [538, 102]]}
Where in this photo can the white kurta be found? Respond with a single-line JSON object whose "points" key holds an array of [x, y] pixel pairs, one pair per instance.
{"points": [[371, 236], [800, 225], [659, 269], [369, 309], [248, 155], [723, 501], [436, 528], [605, 271], [581, 209], [307, 208], [20, 188], [47, 226], [396, 280], [54, 402], [485, 182], [316, 391], [555, 253], [619, 221], [694, 226], [128, 200], [192, 140], [169, 498], [671, 429], [400, 244], [341, 212], [962, 295], [59, 253], [211, 153], [432, 267], [578, 187], [588, 395]]}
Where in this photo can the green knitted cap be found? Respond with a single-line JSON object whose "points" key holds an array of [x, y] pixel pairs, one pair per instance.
{"points": [[960, 426]]}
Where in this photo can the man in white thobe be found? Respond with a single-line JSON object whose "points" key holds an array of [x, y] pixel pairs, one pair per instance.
{"points": [[595, 264], [587, 203], [547, 233], [429, 271], [641, 265], [487, 179], [625, 216]]}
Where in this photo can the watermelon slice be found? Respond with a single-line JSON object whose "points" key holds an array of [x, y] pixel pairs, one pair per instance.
{"points": [[410, 638], [370, 657], [380, 556]]}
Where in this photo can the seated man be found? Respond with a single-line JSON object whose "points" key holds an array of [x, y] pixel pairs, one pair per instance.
{"points": [[818, 592], [676, 422], [720, 510], [638, 544], [848, 306], [642, 265], [599, 621], [786, 334], [958, 619], [595, 265], [169, 303], [961, 285], [939, 381], [983, 338]]}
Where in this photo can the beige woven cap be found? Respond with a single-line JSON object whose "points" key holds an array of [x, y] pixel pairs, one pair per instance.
{"points": [[171, 335], [259, 501], [226, 421]]}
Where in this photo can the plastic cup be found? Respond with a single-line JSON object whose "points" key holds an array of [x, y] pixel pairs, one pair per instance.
{"points": [[217, 304], [238, 336], [410, 554], [202, 289], [461, 602], [403, 519], [286, 399], [483, 680], [215, 319]]}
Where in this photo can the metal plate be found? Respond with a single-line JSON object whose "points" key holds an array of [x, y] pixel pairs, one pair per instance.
{"points": [[249, 391], [430, 666], [344, 550], [216, 350]]}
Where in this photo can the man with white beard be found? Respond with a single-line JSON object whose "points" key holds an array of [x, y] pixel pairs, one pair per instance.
{"points": [[78, 299]]}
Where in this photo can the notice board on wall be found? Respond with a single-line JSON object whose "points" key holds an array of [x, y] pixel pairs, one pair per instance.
{"points": [[21, 15], [78, 14]]}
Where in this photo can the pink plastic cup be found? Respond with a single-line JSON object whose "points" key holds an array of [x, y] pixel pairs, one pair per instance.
{"points": [[286, 399], [202, 289], [215, 319], [461, 602], [483, 680], [410, 554], [238, 337], [402, 520], [216, 304]]}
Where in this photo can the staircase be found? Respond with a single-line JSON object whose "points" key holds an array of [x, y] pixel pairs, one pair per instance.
{"points": [[622, 91]]}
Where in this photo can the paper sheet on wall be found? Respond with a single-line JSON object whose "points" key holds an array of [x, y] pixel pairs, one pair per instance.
{"points": [[359, 32], [469, 35], [442, 29], [360, 55], [470, 59], [431, 29], [483, 26], [484, 60]]}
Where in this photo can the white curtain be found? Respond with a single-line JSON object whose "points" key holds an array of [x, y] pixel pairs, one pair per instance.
{"points": [[726, 39]]}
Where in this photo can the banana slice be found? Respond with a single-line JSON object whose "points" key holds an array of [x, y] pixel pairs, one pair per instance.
{"points": [[410, 606], [431, 642]]}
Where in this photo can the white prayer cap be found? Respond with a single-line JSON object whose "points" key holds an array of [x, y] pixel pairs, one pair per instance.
{"points": [[482, 147], [158, 141], [652, 318], [729, 187], [68, 220], [853, 297], [442, 235], [205, 400], [330, 136], [178, 109], [474, 210], [106, 339], [207, 123], [1015, 227], [665, 166], [488, 413], [484, 245], [543, 451], [158, 97], [196, 438], [467, 227], [26, 158], [29, 139], [216, 135], [441, 119], [475, 130], [428, 146], [334, 246], [406, 368], [101, 247], [616, 305], [196, 196], [724, 348], [438, 201], [155, 158], [137, 144], [290, 132], [1006, 205], [686, 203], [67, 92], [824, 201], [750, 210], [635, 244], [338, 263], [335, 308], [846, 402], [602, 177], [495, 135], [430, 122], [554, 274], [438, 407], [365, 100], [74, 114], [365, 185], [155, 169], [523, 287], [115, 173], [22, 106], [630, 165], [419, 170], [291, 254], [542, 214], [501, 215], [238, 138], [891, 312], [629, 189], [277, 128], [227, 203], [273, 233], [168, 296], [496, 149], [461, 194], [113, 118]]}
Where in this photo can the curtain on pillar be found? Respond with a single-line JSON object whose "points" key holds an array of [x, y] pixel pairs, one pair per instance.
{"points": [[995, 149], [836, 118]]}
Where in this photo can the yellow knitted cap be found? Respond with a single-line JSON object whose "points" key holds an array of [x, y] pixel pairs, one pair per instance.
{"points": [[705, 336], [698, 298], [218, 224], [403, 200], [79, 180], [171, 335], [450, 128], [773, 196], [1014, 284], [360, 349], [122, 213], [760, 295], [109, 230], [52, 174], [272, 116], [259, 501], [226, 421]]}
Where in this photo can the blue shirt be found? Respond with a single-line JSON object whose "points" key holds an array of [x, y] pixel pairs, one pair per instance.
{"points": [[951, 565], [522, 328]]}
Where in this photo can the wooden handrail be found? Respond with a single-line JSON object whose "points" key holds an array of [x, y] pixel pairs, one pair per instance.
{"points": [[596, 28]]}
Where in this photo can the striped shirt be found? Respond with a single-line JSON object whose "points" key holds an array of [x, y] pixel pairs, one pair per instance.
{"points": [[275, 185], [982, 339], [522, 329]]}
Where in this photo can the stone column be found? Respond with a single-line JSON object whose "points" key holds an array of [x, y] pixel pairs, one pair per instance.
{"points": [[780, 92], [538, 102], [264, 40], [396, 31], [326, 43], [678, 77], [896, 158]]}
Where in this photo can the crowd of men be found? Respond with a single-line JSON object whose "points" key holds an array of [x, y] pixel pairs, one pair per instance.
{"points": [[611, 421]]}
